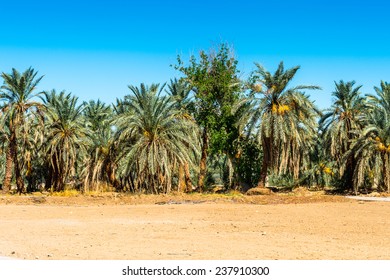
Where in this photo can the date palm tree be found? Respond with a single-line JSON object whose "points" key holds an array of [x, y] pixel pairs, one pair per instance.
{"points": [[180, 91], [33, 154], [284, 119], [67, 137], [102, 152], [17, 92], [340, 124], [6, 155], [154, 139], [372, 149], [381, 99]]}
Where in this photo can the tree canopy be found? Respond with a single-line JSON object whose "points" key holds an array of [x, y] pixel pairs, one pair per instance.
{"points": [[208, 129]]}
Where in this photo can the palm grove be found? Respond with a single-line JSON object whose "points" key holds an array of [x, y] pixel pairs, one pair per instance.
{"points": [[207, 128]]}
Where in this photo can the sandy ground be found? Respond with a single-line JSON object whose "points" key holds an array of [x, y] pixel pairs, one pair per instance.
{"points": [[272, 227]]}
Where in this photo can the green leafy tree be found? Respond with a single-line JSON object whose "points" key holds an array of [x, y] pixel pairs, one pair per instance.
{"points": [[248, 160], [216, 86]]}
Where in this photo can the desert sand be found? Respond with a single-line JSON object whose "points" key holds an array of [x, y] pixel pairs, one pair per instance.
{"points": [[182, 228]]}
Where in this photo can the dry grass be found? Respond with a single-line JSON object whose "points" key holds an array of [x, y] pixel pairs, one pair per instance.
{"points": [[73, 197]]}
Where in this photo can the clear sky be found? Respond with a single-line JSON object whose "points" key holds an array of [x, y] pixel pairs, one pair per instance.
{"points": [[94, 49]]}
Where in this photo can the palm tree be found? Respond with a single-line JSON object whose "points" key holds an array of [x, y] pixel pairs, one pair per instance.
{"points": [[340, 124], [2, 163], [102, 152], [32, 153], [67, 137], [180, 91], [382, 97], [321, 169], [284, 119], [6, 153], [154, 139], [372, 149], [17, 93]]}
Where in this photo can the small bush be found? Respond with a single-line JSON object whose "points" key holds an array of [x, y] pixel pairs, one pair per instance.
{"points": [[67, 193]]}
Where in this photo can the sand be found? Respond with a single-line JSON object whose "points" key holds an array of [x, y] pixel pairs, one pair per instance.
{"points": [[194, 229]]}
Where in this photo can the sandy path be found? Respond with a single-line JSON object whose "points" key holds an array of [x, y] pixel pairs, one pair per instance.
{"points": [[365, 198], [347, 230]]}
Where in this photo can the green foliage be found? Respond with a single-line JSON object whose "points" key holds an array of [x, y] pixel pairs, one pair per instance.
{"points": [[2, 163], [321, 170], [283, 182], [181, 93], [343, 119], [216, 86], [103, 150], [248, 160], [67, 137], [284, 120], [154, 140], [341, 124], [371, 147], [17, 93], [247, 134], [214, 80], [3, 146]]}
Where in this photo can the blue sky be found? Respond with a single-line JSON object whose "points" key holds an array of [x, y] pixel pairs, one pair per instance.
{"points": [[94, 49]]}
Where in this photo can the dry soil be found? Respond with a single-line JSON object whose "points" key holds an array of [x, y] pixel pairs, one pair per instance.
{"points": [[298, 226]]}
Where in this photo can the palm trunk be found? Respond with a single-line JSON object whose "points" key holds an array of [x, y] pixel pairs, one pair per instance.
{"points": [[187, 177], [14, 153], [18, 176], [8, 171], [386, 173], [132, 184], [110, 173], [57, 186], [29, 178], [235, 180], [375, 184], [30, 184], [56, 176], [348, 175], [182, 184], [49, 179], [263, 175], [203, 160], [266, 162], [351, 164], [230, 171]]}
